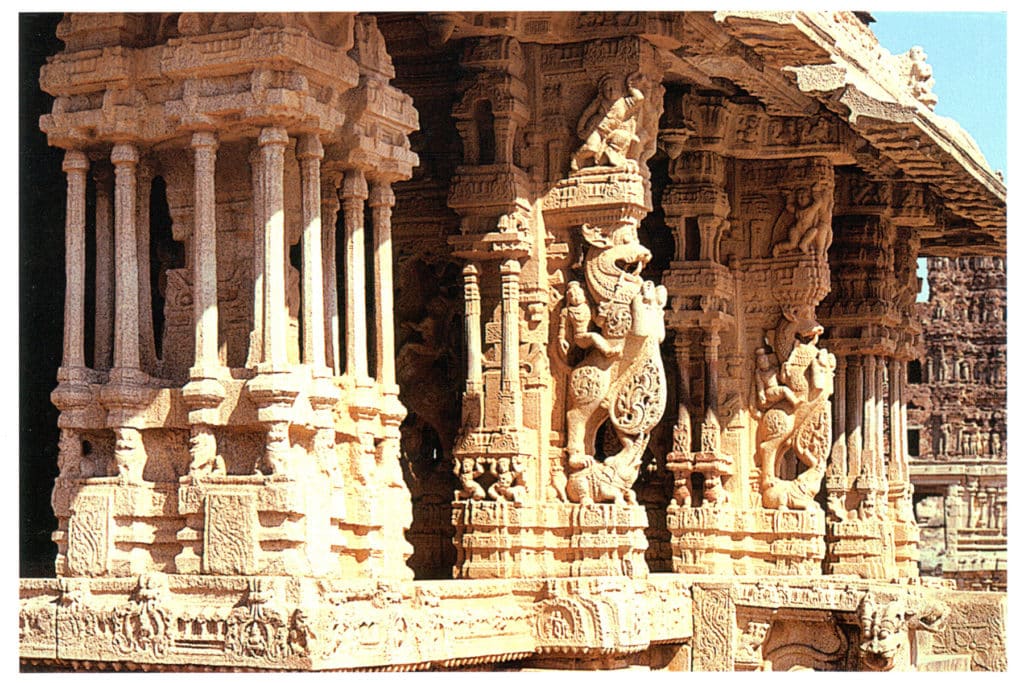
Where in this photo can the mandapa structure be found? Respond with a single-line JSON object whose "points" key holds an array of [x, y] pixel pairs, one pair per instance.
{"points": [[957, 418], [498, 340]]}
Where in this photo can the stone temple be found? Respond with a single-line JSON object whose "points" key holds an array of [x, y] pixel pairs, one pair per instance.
{"points": [[499, 341]]}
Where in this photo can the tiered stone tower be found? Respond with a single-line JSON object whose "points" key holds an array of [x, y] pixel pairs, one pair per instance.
{"points": [[958, 422]]}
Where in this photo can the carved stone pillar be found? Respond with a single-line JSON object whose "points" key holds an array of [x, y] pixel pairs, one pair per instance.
{"points": [[125, 158], [204, 251], [76, 164], [710, 437], [855, 416], [682, 436], [474, 352], [839, 461], [879, 405], [309, 153], [511, 404], [331, 205], [259, 225], [870, 413], [382, 201], [903, 419], [473, 399], [711, 342], [204, 393], [104, 339], [353, 196], [147, 340], [896, 435], [272, 142]]}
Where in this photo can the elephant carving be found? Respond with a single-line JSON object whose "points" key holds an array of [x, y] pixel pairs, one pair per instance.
{"points": [[618, 375], [797, 417]]}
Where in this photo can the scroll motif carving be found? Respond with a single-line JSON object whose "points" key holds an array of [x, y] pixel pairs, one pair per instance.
{"points": [[144, 624], [255, 629], [89, 529], [714, 619]]}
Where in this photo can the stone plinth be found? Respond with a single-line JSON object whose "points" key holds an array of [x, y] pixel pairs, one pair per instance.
{"points": [[502, 540], [723, 541]]}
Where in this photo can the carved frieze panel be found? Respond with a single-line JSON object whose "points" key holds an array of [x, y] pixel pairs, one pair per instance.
{"points": [[89, 533], [714, 620], [229, 543]]}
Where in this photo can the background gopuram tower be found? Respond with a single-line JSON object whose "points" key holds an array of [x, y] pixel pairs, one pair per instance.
{"points": [[957, 417]]}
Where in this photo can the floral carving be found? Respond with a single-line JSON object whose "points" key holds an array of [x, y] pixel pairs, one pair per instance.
{"points": [[255, 629]]}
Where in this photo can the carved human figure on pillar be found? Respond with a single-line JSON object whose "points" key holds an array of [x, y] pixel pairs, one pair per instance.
{"points": [[508, 484], [628, 390], [802, 424], [574, 325], [810, 213], [468, 472], [129, 455], [608, 125], [769, 391]]}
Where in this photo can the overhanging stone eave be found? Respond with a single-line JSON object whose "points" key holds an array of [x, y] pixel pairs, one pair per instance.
{"points": [[904, 135], [850, 88]]}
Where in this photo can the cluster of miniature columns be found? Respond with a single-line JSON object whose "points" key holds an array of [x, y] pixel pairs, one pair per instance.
{"points": [[859, 420], [320, 342], [510, 385]]}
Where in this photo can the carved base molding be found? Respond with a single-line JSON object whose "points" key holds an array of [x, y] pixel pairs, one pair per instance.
{"points": [[502, 540], [174, 622], [219, 525], [857, 548], [724, 541]]}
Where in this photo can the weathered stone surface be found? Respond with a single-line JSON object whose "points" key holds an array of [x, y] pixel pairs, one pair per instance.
{"points": [[499, 340]]}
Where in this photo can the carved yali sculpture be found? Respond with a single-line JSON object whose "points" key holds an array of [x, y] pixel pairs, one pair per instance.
{"points": [[797, 417], [884, 629], [608, 125], [620, 377]]}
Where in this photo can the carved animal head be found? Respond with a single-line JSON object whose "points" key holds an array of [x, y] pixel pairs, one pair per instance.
{"points": [[883, 632], [614, 261]]}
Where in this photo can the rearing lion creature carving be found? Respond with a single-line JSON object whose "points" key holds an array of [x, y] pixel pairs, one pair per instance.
{"points": [[620, 378], [797, 417]]}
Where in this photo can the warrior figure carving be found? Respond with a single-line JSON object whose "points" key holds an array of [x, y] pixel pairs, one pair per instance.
{"points": [[608, 125]]}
